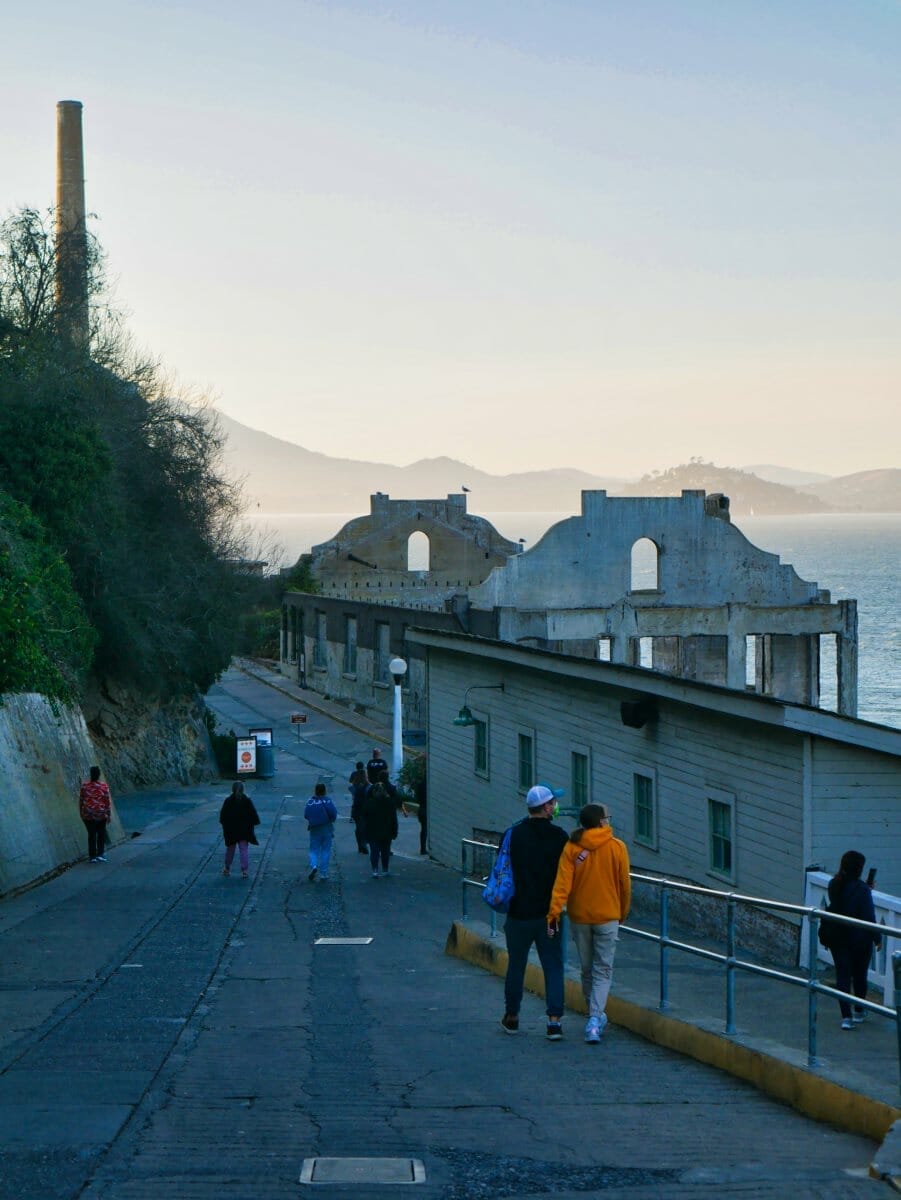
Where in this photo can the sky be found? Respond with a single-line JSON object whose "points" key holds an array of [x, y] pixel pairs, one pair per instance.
{"points": [[605, 234]]}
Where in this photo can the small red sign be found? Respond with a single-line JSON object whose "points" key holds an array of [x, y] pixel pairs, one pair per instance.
{"points": [[298, 718]]}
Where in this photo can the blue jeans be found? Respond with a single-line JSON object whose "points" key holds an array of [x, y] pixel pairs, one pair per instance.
{"points": [[321, 848], [520, 937]]}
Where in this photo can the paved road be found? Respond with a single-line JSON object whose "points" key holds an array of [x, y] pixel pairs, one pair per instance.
{"points": [[165, 1031]]}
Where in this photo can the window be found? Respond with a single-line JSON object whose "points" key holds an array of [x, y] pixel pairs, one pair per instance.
{"points": [[645, 562], [418, 551], [605, 649], [645, 808], [720, 818], [525, 761], [382, 655], [646, 653], [319, 644], [579, 774], [350, 645], [480, 747]]}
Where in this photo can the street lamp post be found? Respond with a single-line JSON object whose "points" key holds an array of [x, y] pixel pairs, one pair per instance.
{"points": [[398, 669]]}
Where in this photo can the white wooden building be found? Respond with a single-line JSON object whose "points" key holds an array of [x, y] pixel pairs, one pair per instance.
{"points": [[722, 787]]}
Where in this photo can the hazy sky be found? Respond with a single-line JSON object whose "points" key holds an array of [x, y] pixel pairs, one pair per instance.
{"points": [[610, 235]]}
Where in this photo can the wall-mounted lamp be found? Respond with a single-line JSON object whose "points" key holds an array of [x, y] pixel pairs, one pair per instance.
{"points": [[464, 717]]}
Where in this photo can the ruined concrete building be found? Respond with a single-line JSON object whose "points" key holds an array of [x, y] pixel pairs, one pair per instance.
{"points": [[417, 551], [665, 583]]}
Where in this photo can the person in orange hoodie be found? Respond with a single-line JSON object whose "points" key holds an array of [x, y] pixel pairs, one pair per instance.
{"points": [[593, 885]]}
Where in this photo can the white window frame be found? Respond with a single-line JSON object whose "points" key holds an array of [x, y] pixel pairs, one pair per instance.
{"points": [[713, 796], [525, 732], [585, 751], [640, 771], [482, 720]]}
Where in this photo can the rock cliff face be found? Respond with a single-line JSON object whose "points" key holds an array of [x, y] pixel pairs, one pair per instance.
{"points": [[45, 753], [141, 744]]}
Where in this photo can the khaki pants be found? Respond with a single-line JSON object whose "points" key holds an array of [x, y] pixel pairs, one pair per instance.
{"points": [[596, 945]]}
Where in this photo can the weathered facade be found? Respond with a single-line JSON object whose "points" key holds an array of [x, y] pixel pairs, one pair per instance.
{"points": [[669, 583], [725, 788], [370, 557]]}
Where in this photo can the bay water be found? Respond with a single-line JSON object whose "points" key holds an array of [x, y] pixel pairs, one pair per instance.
{"points": [[853, 555]]}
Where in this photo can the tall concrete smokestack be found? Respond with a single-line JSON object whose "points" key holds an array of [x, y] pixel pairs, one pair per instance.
{"points": [[71, 230]]}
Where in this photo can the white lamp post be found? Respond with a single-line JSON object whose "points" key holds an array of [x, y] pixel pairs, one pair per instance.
{"points": [[398, 669]]}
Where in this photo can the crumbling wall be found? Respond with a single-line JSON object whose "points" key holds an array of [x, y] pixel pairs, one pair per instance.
{"points": [[368, 558]]}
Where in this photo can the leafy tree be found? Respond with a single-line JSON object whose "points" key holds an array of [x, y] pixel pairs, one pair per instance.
{"points": [[46, 640], [123, 474]]}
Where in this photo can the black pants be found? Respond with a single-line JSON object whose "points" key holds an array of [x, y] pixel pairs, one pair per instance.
{"points": [[423, 832], [379, 850], [851, 966], [96, 837]]}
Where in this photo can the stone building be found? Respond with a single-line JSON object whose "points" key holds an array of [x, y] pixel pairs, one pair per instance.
{"points": [[415, 551]]}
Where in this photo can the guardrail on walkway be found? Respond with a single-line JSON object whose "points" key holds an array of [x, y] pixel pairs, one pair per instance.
{"points": [[475, 854]]}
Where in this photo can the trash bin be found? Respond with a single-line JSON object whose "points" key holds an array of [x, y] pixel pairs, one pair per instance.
{"points": [[265, 762]]}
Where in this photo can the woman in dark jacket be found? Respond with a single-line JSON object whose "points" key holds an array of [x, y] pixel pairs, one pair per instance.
{"points": [[851, 948], [238, 818], [380, 821]]}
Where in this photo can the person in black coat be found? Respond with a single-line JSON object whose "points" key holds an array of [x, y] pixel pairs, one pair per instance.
{"points": [[359, 785], [238, 818], [380, 823], [851, 948]]}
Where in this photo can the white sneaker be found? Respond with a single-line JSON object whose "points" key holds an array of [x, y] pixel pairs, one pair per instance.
{"points": [[375, 874], [847, 1023], [858, 1017], [594, 1027]]}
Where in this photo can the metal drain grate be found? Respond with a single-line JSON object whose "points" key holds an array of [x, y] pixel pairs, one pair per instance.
{"points": [[361, 941], [362, 1170]]}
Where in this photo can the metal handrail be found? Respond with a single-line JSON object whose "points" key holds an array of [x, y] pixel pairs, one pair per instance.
{"points": [[730, 960]]}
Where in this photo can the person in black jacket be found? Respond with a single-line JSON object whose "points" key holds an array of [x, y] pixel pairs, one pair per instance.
{"points": [[238, 817], [535, 848], [380, 822], [851, 948], [359, 785]]}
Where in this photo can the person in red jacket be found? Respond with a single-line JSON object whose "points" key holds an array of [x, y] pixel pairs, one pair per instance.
{"points": [[96, 808], [593, 885]]}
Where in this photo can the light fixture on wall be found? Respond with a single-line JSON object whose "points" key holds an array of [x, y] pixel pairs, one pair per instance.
{"points": [[464, 717]]}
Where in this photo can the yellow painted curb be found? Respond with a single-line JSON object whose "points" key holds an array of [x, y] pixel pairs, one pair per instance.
{"points": [[809, 1093]]}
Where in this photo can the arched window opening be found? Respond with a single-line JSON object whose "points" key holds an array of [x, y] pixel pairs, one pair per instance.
{"points": [[645, 566], [418, 551]]}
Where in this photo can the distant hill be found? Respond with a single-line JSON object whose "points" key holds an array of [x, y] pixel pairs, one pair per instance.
{"points": [[865, 491], [787, 475], [280, 476], [747, 493]]}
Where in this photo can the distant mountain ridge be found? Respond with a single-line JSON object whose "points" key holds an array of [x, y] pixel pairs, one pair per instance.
{"points": [[280, 476]]}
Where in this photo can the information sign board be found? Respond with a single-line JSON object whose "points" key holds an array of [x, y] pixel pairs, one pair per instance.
{"points": [[246, 755]]}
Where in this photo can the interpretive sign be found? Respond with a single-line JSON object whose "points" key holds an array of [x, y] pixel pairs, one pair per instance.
{"points": [[246, 755]]}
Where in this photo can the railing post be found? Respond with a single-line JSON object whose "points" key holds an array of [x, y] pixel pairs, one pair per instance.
{"points": [[664, 937], [896, 972], [463, 855], [730, 966], [813, 929]]}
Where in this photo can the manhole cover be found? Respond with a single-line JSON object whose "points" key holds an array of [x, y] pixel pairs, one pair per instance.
{"points": [[362, 1170], [342, 941]]}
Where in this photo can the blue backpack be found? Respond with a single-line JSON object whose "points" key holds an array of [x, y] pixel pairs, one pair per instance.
{"points": [[498, 891]]}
